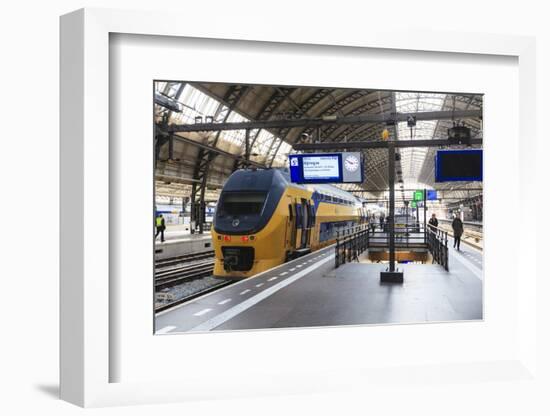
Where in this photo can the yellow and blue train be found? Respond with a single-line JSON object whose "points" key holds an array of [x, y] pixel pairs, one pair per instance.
{"points": [[263, 220]]}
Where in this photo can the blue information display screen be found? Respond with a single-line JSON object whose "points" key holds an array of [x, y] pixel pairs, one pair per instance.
{"points": [[458, 165], [431, 194], [326, 168]]}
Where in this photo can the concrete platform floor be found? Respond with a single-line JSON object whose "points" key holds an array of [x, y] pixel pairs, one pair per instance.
{"points": [[177, 244], [309, 292], [178, 232]]}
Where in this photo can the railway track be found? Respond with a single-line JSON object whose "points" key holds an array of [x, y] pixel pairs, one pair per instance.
{"points": [[171, 303], [186, 258], [474, 226], [176, 275], [183, 278]]}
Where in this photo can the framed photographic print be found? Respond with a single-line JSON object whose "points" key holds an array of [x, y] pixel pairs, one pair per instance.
{"points": [[290, 213]]}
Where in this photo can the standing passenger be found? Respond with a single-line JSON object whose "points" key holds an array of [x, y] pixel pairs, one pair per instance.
{"points": [[161, 226], [458, 229], [433, 221]]}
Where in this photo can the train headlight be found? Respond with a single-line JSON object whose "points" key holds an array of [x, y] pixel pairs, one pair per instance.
{"points": [[227, 238], [245, 238]]}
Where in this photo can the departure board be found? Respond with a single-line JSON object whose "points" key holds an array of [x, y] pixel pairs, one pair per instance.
{"points": [[346, 167]]}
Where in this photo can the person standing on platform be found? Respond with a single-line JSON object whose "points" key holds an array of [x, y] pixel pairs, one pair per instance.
{"points": [[161, 226], [458, 229], [372, 223], [433, 221]]}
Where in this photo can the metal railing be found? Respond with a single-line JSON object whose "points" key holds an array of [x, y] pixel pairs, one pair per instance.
{"points": [[353, 242], [406, 237], [437, 240]]}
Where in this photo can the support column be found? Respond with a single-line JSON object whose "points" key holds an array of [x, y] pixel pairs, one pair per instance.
{"points": [[391, 222], [425, 224], [392, 274], [202, 216], [247, 147], [193, 212]]}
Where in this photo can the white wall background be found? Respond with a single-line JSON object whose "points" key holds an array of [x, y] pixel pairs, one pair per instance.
{"points": [[29, 170]]}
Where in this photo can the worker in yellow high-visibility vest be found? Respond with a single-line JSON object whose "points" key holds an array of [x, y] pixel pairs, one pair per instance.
{"points": [[161, 226]]}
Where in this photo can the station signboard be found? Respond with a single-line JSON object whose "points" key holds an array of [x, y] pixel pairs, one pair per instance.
{"points": [[418, 195], [346, 167]]}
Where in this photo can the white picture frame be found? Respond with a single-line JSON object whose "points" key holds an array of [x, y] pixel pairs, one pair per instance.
{"points": [[86, 355]]}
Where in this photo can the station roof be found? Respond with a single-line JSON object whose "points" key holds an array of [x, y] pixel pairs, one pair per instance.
{"points": [[217, 154]]}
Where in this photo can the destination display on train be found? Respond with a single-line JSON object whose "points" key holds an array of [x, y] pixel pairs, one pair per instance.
{"points": [[346, 167]]}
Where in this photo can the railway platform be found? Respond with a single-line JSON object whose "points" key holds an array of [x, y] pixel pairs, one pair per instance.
{"points": [[178, 242], [310, 291]]}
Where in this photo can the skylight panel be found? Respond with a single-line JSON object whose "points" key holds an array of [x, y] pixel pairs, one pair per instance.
{"points": [[412, 159]]}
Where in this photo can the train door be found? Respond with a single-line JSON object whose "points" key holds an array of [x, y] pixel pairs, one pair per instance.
{"points": [[292, 224], [306, 231], [312, 239], [299, 229]]}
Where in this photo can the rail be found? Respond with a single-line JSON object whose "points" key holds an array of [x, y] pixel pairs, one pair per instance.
{"points": [[178, 275], [184, 258], [351, 244], [166, 300], [437, 240], [406, 237]]}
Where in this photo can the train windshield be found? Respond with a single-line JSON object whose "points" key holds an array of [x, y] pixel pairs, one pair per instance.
{"points": [[242, 203]]}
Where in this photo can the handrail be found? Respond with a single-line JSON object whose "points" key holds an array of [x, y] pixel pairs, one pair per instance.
{"points": [[437, 240], [359, 239], [350, 246]]}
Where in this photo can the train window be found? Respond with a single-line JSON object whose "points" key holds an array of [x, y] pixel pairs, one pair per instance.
{"points": [[312, 216], [290, 214], [242, 203], [298, 216], [305, 214]]}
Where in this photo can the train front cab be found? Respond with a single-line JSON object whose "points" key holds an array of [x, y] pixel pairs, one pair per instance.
{"points": [[260, 223], [287, 234]]}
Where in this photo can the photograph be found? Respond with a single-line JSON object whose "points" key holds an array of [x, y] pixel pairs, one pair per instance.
{"points": [[279, 207]]}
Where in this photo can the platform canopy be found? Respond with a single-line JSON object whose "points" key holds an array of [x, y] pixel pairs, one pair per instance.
{"points": [[280, 116]]}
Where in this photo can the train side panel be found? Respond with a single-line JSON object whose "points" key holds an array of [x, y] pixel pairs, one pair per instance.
{"points": [[330, 219]]}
